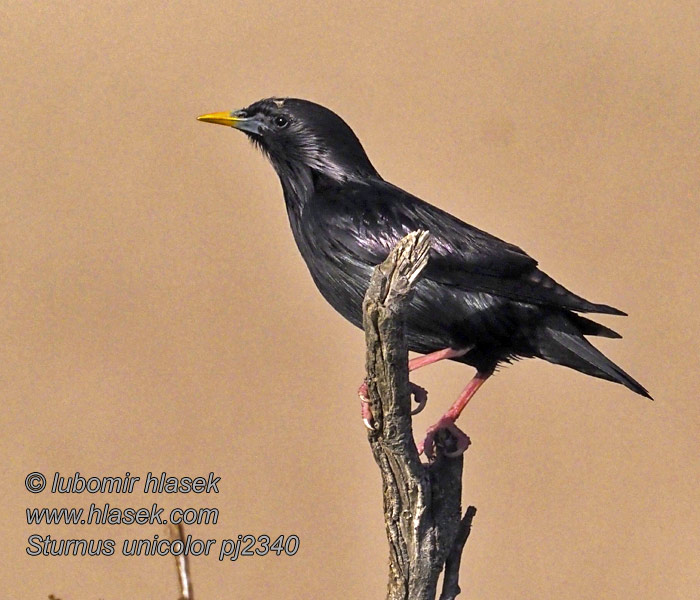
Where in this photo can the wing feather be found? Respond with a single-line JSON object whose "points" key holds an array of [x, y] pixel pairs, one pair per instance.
{"points": [[366, 221]]}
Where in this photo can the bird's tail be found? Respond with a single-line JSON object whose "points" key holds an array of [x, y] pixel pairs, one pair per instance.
{"points": [[560, 341]]}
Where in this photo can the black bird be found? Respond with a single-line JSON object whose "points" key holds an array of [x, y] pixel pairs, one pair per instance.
{"points": [[481, 301]]}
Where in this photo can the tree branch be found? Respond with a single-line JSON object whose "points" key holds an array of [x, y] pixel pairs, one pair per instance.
{"points": [[422, 503], [177, 532]]}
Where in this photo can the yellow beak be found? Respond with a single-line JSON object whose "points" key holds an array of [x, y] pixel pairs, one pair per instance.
{"points": [[221, 118]]}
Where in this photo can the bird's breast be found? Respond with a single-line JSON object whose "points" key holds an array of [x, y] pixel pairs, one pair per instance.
{"points": [[341, 280]]}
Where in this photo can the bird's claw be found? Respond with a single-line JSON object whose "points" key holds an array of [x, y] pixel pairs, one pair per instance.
{"points": [[420, 396], [366, 411], [427, 446]]}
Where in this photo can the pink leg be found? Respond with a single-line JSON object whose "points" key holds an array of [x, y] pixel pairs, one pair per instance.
{"points": [[433, 357], [447, 421], [419, 394]]}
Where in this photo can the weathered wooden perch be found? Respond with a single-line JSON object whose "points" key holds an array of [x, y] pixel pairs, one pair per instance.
{"points": [[422, 503], [177, 532]]}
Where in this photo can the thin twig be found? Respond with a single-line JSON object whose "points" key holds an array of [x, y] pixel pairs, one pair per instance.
{"points": [[177, 532], [450, 581]]}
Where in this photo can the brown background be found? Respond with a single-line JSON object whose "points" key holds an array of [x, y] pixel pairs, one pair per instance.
{"points": [[157, 317]]}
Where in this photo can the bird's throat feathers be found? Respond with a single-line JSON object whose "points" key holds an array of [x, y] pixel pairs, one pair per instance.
{"points": [[310, 157], [298, 187], [301, 179]]}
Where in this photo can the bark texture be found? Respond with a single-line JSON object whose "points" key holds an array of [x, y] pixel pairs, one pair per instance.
{"points": [[422, 503]]}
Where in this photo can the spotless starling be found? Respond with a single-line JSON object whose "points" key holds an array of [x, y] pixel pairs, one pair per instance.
{"points": [[481, 301]]}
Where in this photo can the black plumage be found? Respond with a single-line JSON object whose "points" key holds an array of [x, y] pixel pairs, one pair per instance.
{"points": [[477, 293]]}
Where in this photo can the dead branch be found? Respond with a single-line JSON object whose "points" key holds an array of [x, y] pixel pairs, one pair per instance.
{"points": [[177, 532], [422, 503]]}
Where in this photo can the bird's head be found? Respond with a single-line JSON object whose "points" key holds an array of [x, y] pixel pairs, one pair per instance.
{"points": [[298, 134]]}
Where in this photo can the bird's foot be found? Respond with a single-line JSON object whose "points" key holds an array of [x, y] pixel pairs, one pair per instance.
{"points": [[420, 396], [366, 411], [427, 446]]}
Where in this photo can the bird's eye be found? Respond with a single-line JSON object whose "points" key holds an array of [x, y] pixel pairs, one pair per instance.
{"points": [[280, 121]]}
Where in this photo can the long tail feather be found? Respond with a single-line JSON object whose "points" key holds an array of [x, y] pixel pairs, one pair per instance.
{"points": [[561, 342]]}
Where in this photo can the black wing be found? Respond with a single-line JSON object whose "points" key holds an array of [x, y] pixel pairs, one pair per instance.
{"points": [[367, 220]]}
